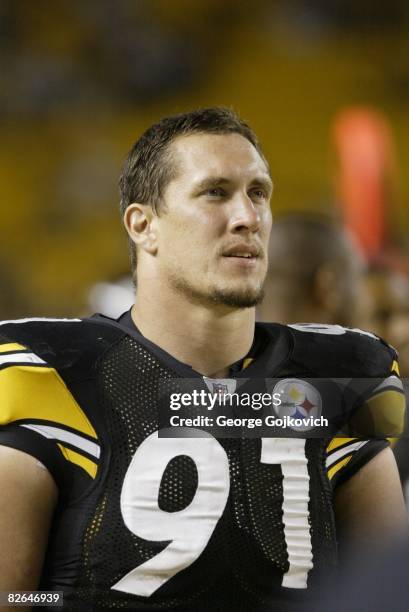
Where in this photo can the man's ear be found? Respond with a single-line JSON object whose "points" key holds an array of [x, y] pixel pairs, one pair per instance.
{"points": [[139, 221]]}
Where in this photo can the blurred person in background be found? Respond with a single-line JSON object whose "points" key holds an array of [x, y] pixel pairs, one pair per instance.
{"points": [[388, 315], [123, 517], [315, 273]]}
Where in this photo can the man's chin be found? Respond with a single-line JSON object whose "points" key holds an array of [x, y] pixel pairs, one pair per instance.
{"points": [[232, 297], [237, 299]]}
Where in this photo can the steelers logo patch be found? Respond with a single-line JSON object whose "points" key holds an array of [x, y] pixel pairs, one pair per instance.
{"points": [[299, 400]]}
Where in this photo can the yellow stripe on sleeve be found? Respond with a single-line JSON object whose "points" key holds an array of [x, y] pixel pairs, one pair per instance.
{"points": [[335, 468], [86, 464], [336, 442], [247, 362], [29, 392], [11, 346], [395, 368]]}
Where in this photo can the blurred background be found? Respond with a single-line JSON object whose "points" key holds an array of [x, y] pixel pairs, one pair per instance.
{"points": [[319, 82]]}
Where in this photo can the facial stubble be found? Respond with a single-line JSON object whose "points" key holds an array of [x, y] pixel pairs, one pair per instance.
{"points": [[233, 298]]}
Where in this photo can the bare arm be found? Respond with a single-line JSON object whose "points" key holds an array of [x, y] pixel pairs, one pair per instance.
{"points": [[28, 496], [369, 507]]}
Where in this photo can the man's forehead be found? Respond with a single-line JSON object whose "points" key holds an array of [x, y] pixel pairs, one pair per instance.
{"points": [[202, 154]]}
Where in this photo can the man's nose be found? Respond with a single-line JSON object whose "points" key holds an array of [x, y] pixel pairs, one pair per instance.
{"points": [[245, 214]]}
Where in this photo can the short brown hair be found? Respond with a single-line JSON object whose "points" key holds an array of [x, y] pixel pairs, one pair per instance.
{"points": [[148, 169]]}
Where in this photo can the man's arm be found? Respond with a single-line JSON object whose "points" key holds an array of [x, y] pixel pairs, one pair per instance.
{"points": [[28, 497], [369, 507]]}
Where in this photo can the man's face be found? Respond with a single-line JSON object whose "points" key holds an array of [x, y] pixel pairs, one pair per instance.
{"points": [[215, 220]]}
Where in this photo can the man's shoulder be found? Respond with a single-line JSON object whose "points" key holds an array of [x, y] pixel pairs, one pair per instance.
{"points": [[343, 351], [47, 406], [59, 343], [334, 350]]}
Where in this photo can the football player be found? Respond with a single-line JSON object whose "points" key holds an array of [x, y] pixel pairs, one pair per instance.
{"points": [[96, 502]]}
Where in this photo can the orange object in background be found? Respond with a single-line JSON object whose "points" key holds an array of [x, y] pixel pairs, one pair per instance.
{"points": [[365, 186], [364, 150]]}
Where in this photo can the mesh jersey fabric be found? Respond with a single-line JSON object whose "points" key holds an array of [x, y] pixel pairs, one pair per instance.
{"points": [[110, 377]]}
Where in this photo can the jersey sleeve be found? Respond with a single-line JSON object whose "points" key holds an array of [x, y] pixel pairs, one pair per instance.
{"points": [[381, 406], [345, 456], [40, 416], [365, 367], [380, 413]]}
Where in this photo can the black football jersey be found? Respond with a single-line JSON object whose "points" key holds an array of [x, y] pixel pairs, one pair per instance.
{"points": [[189, 524]]}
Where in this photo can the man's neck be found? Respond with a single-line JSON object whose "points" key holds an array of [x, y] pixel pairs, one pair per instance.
{"points": [[208, 338]]}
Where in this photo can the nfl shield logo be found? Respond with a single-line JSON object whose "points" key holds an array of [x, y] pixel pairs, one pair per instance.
{"points": [[219, 389], [220, 386]]}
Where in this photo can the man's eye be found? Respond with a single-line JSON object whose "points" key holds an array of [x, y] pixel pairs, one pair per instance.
{"points": [[259, 194], [215, 192]]}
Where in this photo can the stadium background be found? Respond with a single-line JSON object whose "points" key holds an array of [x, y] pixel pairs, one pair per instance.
{"points": [[81, 80]]}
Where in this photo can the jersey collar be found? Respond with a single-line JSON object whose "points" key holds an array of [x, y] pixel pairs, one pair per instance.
{"points": [[271, 349]]}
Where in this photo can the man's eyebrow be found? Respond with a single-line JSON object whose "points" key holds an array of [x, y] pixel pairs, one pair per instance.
{"points": [[216, 181], [264, 182], [211, 181]]}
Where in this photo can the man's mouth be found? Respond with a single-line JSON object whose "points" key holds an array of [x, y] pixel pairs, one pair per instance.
{"points": [[245, 255], [242, 252]]}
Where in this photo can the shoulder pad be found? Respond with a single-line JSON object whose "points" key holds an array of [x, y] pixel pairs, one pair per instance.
{"points": [[333, 350], [60, 343], [39, 407]]}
